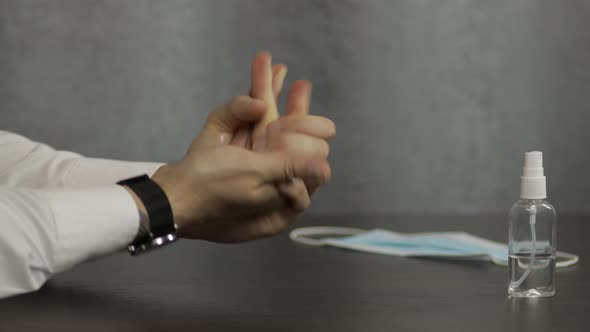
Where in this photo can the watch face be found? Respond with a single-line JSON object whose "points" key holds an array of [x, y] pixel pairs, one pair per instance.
{"points": [[152, 243]]}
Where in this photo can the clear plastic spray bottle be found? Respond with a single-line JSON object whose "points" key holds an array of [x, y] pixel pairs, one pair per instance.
{"points": [[531, 235]]}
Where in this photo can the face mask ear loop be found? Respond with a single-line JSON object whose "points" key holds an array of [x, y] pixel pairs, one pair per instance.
{"points": [[532, 221], [571, 259], [302, 235]]}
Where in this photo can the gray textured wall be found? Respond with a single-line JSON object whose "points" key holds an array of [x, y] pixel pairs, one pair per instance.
{"points": [[435, 101]]}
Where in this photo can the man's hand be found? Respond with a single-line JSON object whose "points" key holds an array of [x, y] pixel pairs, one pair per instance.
{"points": [[225, 193], [296, 130]]}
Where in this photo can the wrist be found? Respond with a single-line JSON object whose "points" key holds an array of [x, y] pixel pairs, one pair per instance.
{"points": [[158, 227], [179, 194]]}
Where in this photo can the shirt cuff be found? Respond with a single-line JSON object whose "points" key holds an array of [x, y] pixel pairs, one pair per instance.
{"points": [[91, 222], [95, 172]]}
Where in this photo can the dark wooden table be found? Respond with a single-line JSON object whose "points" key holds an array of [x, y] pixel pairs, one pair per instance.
{"points": [[277, 285]]}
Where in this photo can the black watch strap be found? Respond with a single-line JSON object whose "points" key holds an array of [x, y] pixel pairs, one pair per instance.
{"points": [[161, 219]]}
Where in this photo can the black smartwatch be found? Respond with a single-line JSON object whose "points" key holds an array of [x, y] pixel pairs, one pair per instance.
{"points": [[162, 230]]}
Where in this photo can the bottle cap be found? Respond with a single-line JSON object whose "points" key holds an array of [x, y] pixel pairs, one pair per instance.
{"points": [[533, 183]]}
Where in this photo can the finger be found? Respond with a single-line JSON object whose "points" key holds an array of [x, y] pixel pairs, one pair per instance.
{"points": [[240, 111], [300, 144], [282, 166], [265, 199], [241, 137], [260, 227], [245, 229], [296, 194], [262, 89], [312, 186], [312, 125], [279, 72], [261, 76], [299, 98]]}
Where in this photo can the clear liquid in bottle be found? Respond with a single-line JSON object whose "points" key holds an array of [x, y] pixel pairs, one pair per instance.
{"points": [[540, 282]]}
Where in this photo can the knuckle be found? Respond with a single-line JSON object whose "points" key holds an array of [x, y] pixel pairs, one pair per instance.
{"points": [[328, 174], [292, 123], [332, 128], [325, 149], [304, 203], [256, 196], [300, 122], [269, 230], [235, 101], [281, 142], [275, 127], [311, 185], [212, 116], [321, 178], [289, 171], [273, 226], [299, 196], [328, 128], [302, 188]]}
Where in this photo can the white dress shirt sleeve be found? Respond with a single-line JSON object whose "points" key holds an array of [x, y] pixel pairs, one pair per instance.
{"points": [[25, 163], [58, 209]]}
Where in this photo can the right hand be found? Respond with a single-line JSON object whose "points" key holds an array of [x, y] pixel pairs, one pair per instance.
{"points": [[224, 193], [297, 130]]}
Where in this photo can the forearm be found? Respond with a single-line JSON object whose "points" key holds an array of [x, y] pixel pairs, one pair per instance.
{"points": [[48, 231], [25, 163]]}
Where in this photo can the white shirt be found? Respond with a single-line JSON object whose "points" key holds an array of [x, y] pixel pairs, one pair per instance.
{"points": [[58, 209]]}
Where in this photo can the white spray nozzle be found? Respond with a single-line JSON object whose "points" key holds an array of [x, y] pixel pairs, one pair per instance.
{"points": [[533, 164], [533, 183]]}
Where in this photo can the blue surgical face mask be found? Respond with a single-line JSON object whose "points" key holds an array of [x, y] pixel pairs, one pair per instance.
{"points": [[447, 245]]}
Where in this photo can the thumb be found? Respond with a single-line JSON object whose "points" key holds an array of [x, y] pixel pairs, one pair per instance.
{"points": [[237, 113], [281, 166]]}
